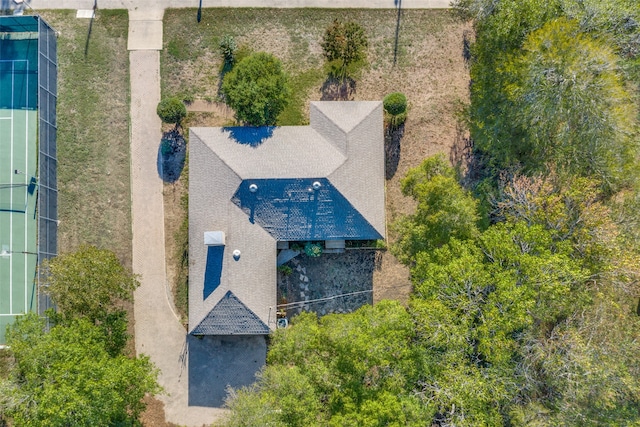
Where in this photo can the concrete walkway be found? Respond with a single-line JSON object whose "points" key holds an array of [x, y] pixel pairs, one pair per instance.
{"points": [[164, 4], [158, 331]]}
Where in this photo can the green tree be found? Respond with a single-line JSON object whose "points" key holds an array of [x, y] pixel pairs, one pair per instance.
{"points": [[339, 370], [531, 105], [257, 89], [344, 44], [171, 110], [227, 47], [66, 377], [572, 113], [91, 283], [445, 210]]}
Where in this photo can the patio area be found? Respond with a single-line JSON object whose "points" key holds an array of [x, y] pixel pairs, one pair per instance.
{"points": [[330, 283]]}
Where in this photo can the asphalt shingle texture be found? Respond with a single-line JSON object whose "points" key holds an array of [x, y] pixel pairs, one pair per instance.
{"points": [[291, 209], [231, 317]]}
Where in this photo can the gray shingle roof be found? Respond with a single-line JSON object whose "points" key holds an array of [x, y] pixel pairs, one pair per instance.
{"points": [[292, 210], [343, 147], [230, 317]]}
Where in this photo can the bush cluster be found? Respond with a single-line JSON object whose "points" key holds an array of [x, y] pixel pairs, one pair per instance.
{"points": [[171, 110], [395, 105]]}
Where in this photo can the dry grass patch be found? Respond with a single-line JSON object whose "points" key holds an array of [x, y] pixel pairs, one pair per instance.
{"points": [[93, 131], [427, 65]]}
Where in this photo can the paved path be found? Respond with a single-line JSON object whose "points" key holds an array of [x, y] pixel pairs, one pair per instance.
{"points": [[163, 4], [158, 331]]}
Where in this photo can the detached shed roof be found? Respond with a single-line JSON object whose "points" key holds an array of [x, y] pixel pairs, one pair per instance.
{"points": [[341, 151]]}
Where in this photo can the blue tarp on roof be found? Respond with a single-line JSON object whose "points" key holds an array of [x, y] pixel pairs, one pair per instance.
{"points": [[231, 317], [292, 210]]}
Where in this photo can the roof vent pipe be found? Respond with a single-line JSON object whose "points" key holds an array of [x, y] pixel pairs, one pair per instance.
{"points": [[253, 188], [316, 185]]}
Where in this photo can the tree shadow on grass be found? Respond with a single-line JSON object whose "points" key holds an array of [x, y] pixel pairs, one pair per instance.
{"points": [[392, 138], [462, 155], [338, 89], [172, 153], [226, 67]]}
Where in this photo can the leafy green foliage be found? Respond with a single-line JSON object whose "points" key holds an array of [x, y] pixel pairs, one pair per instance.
{"points": [[228, 47], [344, 44], [549, 90], [67, 377], [91, 284], [171, 110], [338, 371], [313, 249], [572, 111], [88, 283], [257, 89], [395, 105], [445, 210]]}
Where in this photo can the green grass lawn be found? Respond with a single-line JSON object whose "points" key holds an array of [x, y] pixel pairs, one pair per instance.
{"points": [[93, 131]]}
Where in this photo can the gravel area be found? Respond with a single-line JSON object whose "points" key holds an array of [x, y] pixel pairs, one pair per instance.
{"points": [[328, 278]]}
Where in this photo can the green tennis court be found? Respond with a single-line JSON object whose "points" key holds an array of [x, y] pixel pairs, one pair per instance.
{"points": [[18, 184]]}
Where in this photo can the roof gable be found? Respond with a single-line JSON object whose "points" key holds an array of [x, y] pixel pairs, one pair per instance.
{"points": [[230, 317]]}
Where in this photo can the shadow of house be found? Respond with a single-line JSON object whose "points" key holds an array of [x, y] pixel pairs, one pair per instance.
{"points": [[256, 190], [219, 362]]}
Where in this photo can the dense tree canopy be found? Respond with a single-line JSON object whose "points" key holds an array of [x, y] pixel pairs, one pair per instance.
{"points": [[351, 370], [257, 89], [66, 377], [553, 87], [344, 44], [74, 371], [91, 283], [445, 210]]}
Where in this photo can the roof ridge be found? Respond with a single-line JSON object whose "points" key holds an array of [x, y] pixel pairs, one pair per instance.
{"points": [[230, 316]]}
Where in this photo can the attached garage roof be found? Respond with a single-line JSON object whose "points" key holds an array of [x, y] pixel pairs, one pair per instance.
{"points": [[231, 317]]}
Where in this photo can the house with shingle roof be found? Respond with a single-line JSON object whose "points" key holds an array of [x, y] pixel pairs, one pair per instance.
{"points": [[253, 190]]}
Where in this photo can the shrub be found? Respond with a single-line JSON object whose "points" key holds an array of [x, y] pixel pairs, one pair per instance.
{"points": [[257, 89], [286, 270], [227, 47], [344, 43], [171, 110], [395, 105], [313, 249]]}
